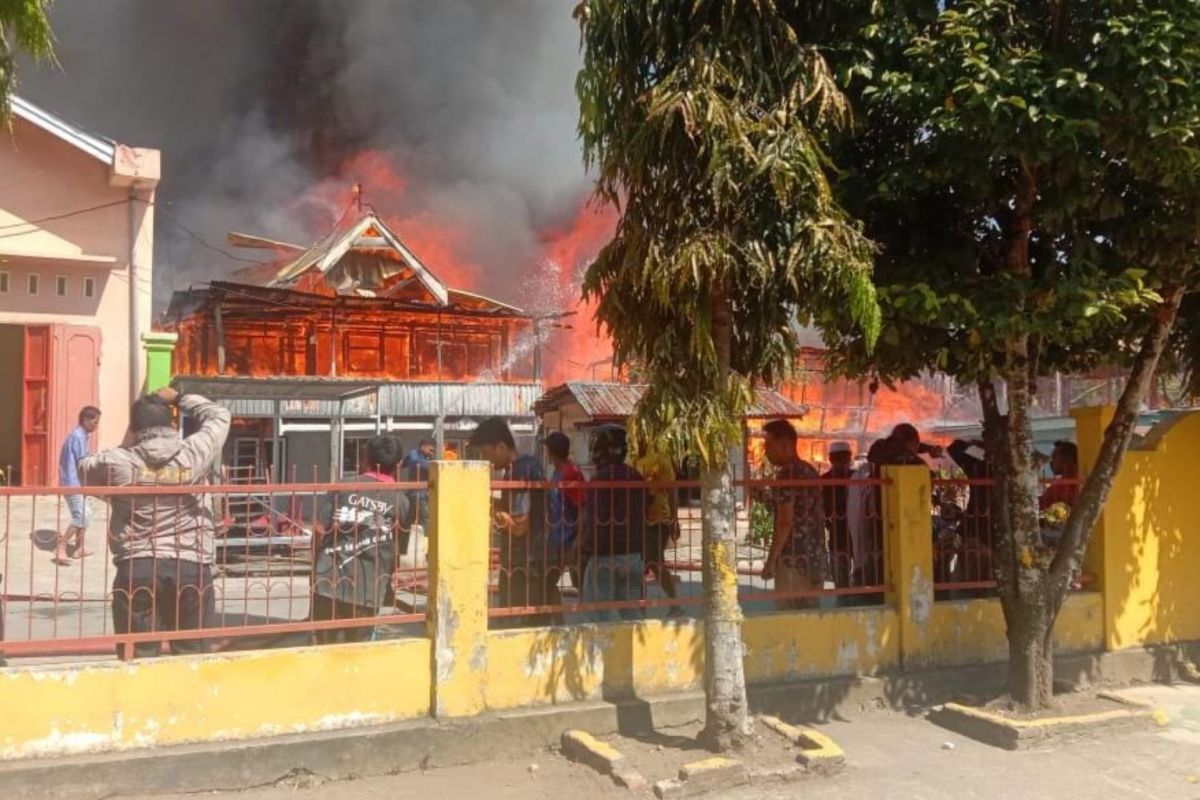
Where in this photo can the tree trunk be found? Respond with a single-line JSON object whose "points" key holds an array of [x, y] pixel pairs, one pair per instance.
{"points": [[1031, 656], [1020, 574], [726, 723]]}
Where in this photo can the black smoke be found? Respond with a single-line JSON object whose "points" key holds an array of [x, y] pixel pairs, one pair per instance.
{"points": [[254, 101]]}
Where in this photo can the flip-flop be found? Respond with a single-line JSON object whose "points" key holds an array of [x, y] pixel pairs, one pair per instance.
{"points": [[62, 561], [79, 555]]}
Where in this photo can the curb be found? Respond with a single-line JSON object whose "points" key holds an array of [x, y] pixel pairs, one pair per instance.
{"points": [[582, 747], [818, 752], [1026, 734], [700, 777]]}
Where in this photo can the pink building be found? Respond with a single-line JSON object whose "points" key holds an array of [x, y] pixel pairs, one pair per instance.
{"points": [[76, 256]]}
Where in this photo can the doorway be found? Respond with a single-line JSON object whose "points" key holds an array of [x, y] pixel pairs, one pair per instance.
{"points": [[12, 370]]}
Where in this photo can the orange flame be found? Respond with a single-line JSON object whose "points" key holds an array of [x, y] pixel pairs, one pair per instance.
{"points": [[441, 245], [579, 351]]}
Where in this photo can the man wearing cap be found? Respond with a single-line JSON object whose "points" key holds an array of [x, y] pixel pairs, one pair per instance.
{"points": [[841, 468]]}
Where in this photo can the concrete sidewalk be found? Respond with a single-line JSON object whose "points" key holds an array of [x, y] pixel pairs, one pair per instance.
{"points": [[889, 755]]}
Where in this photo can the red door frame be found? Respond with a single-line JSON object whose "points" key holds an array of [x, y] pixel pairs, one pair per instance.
{"points": [[61, 374], [35, 405]]}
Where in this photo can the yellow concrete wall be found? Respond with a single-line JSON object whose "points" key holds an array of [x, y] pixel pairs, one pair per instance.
{"points": [[548, 666], [810, 644], [1150, 539], [95, 707], [972, 631]]}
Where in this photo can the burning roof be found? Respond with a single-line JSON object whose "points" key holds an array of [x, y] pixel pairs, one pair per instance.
{"points": [[363, 258]]}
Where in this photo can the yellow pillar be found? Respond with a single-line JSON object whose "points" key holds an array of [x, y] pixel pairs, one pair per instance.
{"points": [[908, 545], [1090, 424], [460, 497]]}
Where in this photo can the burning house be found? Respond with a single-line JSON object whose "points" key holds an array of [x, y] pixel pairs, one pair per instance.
{"points": [[321, 347]]}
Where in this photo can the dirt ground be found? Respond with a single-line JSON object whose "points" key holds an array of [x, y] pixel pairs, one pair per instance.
{"points": [[1064, 705], [659, 755], [888, 755]]}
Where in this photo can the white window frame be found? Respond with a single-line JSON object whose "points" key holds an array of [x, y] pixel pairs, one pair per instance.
{"points": [[89, 287], [62, 286], [33, 284]]}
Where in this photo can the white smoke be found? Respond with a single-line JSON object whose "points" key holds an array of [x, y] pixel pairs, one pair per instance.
{"points": [[254, 102]]}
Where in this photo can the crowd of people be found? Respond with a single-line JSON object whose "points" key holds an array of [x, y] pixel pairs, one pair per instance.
{"points": [[605, 535]]}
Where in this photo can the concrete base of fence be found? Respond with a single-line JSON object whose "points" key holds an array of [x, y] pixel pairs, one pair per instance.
{"points": [[429, 744]]}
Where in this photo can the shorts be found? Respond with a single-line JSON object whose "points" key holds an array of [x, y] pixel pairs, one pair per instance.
{"points": [[78, 505]]}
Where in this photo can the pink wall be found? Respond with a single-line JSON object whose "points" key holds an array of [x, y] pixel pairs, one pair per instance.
{"points": [[42, 176]]}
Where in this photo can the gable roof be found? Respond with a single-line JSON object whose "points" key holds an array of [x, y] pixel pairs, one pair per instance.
{"points": [[99, 147], [367, 234]]}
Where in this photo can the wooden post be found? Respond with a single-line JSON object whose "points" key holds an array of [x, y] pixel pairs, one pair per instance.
{"points": [[219, 321]]}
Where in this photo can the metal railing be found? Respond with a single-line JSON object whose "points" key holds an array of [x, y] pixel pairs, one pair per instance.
{"points": [[964, 531], [566, 552], [204, 568]]}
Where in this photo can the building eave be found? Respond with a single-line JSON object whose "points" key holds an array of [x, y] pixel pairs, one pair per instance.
{"points": [[98, 147]]}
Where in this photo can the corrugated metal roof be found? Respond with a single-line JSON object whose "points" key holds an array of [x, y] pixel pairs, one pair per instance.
{"points": [[459, 399], [333, 397], [612, 401], [98, 147]]}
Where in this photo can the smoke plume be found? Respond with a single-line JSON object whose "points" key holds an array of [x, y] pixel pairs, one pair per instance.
{"points": [[255, 103]]}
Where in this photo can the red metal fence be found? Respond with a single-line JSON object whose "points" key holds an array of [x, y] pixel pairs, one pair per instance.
{"points": [[964, 530], [302, 562], [275, 564], [623, 548]]}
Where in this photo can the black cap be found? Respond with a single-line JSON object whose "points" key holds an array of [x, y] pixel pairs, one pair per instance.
{"points": [[494, 430], [556, 439]]}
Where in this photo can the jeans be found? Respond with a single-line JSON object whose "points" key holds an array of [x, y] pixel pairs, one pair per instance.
{"points": [[614, 578]]}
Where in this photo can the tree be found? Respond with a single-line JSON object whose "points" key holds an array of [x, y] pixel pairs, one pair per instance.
{"points": [[704, 123], [23, 26], [1029, 170]]}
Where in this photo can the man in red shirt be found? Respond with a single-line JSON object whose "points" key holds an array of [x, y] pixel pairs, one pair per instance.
{"points": [[1064, 463]]}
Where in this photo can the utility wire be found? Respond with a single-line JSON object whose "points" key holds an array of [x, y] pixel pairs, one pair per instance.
{"points": [[34, 222], [160, 209], [196, 237]]}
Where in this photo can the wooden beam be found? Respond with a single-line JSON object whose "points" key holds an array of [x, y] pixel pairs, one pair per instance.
{"points": [[219, 322]]}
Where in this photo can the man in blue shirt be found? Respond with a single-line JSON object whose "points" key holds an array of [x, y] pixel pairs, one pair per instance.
{"points": [[75, 449], [416, 469]]}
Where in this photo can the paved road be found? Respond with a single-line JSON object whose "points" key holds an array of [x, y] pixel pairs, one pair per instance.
{"points": [[890, 755]]}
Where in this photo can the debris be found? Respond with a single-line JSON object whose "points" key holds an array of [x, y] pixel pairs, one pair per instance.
{"points": [[948, 745], [533, 768]]}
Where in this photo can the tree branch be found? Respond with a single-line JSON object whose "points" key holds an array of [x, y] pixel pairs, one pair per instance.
{"points": [[1117, 436]]}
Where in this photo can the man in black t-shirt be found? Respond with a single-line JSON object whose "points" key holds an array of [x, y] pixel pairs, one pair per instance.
{"points": [[358, 543]]}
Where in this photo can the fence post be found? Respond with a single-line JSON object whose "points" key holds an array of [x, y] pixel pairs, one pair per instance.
{"points": [[159, 347], [459, 560], [1111, 538], [1090, 424], [908, 547]]}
